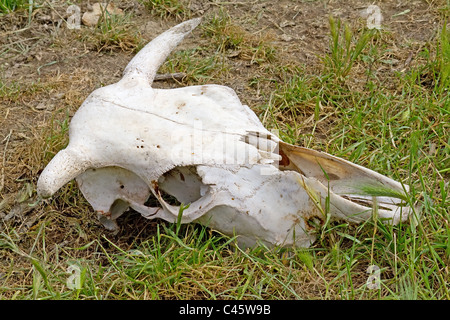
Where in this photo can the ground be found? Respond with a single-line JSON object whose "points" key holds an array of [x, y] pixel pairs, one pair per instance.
{"points": [[256, 48]]}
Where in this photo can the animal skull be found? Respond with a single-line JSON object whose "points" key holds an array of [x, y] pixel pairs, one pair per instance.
{"points": [[130, 142]]}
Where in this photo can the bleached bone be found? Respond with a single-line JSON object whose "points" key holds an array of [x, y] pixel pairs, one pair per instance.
{"points": [[130, 143]]}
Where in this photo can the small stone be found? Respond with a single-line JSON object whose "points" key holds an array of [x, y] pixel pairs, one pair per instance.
{"points": [[285, 37], [41, 106], [60, 95], [91, 17], [287, 23]]}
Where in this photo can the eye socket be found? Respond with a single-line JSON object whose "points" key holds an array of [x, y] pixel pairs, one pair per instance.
{"points": [[181, 185]]}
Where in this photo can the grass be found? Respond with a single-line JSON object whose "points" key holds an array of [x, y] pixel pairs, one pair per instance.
{"points": [[441, 64], [7, 6], [197, 67], [344, 52], [113, 32], [234, 41], [226, 40], [389, 132], [192, 263], [177, 9], [396, 124]]}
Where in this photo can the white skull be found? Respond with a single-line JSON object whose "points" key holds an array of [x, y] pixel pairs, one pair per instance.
{"points": [[130, 142]]}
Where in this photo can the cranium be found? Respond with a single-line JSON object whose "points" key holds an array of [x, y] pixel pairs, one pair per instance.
{"points": [[129, 142]]}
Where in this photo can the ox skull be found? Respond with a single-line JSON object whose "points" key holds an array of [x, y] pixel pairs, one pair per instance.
{"points": [[130, 143]]}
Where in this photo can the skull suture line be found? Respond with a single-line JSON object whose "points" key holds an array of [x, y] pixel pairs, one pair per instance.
{"points": [[129, 142]]}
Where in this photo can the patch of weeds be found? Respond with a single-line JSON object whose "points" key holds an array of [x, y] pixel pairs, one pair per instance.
{"points": [[191, 262], [168, 8], [15, 91], [7, 6], [197, 67], [400, 132], [232, 40], [56, 134], [9, 91], [300, 109], [305, 106], [435, 74], [114, 32], [344, 49], [224, 35], [177, 261], [443, 59]]}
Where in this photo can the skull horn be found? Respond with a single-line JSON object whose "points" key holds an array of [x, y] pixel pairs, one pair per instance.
{"points": [[65, 166], [157, 51]]}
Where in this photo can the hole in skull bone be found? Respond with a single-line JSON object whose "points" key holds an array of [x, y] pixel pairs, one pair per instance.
{"points": [[181, 185], [152, 202], [118, 208]]}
